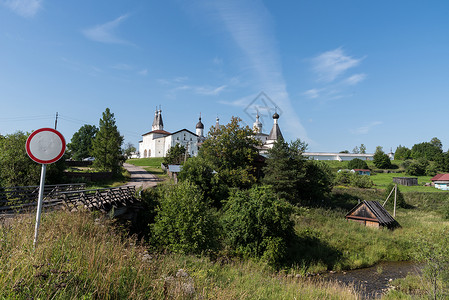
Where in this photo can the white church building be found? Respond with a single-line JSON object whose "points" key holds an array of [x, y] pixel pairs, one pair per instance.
{"points": [[157, 142]]}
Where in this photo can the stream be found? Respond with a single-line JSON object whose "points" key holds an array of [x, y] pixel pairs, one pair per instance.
{"points": [[374, 281]]}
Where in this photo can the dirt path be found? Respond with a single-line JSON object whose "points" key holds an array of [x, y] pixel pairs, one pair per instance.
{"points": [[140, 177]]}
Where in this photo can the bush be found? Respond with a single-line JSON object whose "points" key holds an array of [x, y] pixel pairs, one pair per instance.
{"points": [[361, 181], [184, 222], [417, 168], [353, 179], [257, 224], [357, 163]]}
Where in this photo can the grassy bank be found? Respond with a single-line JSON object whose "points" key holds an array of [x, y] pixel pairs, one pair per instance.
{"points": [[329, 242], [83, 256]]}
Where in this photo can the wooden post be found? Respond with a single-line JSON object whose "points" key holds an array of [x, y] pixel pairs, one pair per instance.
{"points": [[395, 196]]}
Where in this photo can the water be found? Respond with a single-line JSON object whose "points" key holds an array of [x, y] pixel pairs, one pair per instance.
{"points": [[374, 281]]}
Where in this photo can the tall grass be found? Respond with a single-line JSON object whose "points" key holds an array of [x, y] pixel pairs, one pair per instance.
{"points": [[84, 256]]}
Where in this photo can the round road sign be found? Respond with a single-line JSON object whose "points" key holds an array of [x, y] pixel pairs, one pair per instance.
{"points": [[45, 146]]}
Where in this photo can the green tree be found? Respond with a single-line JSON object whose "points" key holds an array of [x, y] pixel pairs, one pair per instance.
{"points": [[417, 167], [402, 153], [436, 143], [257, 224], [357, 163], [285, 168], [362, 149], [184, 222], [293, 177], [356, 150], [106, 146], [231, 150], [175, 155], [426, 150], [17, 169], [200, 172], [80, 145], [380, 159], [129, 150]]}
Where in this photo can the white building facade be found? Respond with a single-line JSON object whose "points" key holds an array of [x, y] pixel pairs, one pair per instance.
{"points": [[157, 142]]}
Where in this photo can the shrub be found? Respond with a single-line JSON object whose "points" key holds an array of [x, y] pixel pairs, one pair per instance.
{"points": [[417, 167], [357, 163], [343, 178], [184, 222], [257, 224], [361, 181]]}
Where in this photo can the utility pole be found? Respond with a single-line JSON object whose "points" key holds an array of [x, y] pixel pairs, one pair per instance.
{"points": [[56, 120]]}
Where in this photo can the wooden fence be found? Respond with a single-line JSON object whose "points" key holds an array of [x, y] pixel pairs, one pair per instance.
{"points": [[19, 198]]}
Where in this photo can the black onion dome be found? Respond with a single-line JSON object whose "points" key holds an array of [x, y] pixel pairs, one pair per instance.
{"points": [[275, 116], [199, 125]]}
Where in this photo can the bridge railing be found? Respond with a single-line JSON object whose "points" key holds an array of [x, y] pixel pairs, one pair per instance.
{"points": [[19, 198], [100, 199]]}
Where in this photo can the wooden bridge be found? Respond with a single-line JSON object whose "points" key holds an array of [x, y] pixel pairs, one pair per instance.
{"points": [[68, 196]]}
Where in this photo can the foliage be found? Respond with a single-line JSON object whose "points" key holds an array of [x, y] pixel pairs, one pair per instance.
{"points": [[317, 183], [381, 160], [433, 251], [426, 150], [129, 150], [184, 222], [200, 172], [417, 167], [175, 155], [353, 179], [285, 169], [85, 256], [357, 150], [106, 146], [431, 169], [231, 150], [357, 163], [17, 169], [80, 145], [257, 224], [400, 201], [361, 181], [294, 178], [402, 153]]}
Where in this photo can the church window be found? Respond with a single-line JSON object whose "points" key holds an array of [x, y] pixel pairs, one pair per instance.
{"points": [[145, 153]]}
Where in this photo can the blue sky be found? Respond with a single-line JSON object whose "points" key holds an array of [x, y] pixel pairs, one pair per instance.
{"points": [[341, 73]]}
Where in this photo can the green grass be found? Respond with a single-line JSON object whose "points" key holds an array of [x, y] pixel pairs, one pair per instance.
{"points": [[151, 165], [85, 256], [146, 162], [382, 180]]}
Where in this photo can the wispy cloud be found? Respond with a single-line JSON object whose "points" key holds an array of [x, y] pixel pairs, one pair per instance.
{"points": [[251, 27], [365, 129], [329, 68], [24, 8], [106, 33], [331, 64], [355, 79]]}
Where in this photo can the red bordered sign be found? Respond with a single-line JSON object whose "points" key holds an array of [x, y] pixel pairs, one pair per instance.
{"points": [[45, 145]]}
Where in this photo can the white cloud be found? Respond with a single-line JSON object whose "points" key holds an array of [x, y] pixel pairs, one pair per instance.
{"points": [[210, 90], [251, 26], [366, 129], [354, 79], [312, 93], [105, 33], [24, 8], [331, 64]]}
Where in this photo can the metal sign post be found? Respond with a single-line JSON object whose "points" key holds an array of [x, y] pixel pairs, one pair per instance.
{"points": [[44, 146]]}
